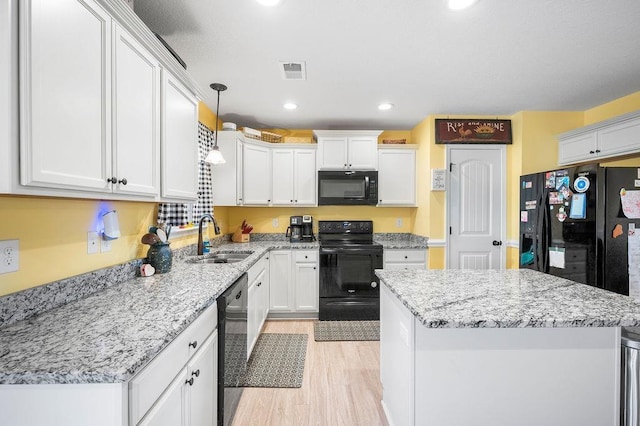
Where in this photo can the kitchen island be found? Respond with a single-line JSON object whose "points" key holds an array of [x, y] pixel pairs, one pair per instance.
{"points": [[511, 347]]}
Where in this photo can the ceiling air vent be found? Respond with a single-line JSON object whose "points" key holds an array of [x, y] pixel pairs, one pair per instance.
{"points": [[293, 70]]}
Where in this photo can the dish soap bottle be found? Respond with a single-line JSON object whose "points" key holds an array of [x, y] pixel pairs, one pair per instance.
{"points": [[206, 245]]}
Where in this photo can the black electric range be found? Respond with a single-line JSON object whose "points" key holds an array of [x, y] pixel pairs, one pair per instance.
{"points": [[349, 289]]}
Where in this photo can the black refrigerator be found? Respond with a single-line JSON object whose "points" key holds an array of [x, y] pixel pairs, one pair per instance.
{"points": [[580, 223]]}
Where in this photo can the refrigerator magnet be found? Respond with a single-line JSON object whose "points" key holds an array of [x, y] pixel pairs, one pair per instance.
{"points": [[555, 198], [524, 216], [561, 216], [617, 231], [581, 184], [550, 180]]}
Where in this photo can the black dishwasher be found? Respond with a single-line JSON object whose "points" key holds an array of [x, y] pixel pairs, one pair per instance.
{"points": [[232, 347]]}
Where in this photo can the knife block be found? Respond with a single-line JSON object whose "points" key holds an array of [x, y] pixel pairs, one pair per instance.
{"points": [[239, 237]]}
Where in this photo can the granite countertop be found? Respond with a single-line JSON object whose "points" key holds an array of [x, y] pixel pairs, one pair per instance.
{"points": [[108, 336], [399, 241], [510, 298]]}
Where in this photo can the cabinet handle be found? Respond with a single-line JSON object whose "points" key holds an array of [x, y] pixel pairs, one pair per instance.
{"points": [[193, 344], [592, 152], [196, 373], [190, 382], [349, 165], [306, 257], [259, 284], [314, 267], [291, 201], [296, 201], [406, 257], [237, 297], [123, 181], [112, 180], [597, 151]]}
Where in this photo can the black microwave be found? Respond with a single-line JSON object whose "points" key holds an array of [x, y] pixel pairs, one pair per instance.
{"points": [[352, 188]]}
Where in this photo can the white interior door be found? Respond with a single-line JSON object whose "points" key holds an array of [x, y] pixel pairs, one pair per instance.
{"points": [[476, 207]]}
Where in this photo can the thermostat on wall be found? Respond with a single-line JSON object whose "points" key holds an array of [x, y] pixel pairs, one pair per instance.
{"points": [[438, 179]]}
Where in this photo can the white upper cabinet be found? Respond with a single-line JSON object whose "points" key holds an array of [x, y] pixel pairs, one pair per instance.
{"points": [[294, 176], [227, 178], [611, 138], [397, 176], [347, 150], [65, 90], [136, 117], [97, 119], [256, 175], [179, 141]]}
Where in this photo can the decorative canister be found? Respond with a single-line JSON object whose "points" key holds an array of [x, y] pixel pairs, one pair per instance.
{"points": [[160, 257]]}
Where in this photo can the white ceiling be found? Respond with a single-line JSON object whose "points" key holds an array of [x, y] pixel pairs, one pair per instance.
{"points": [[498, 57]]}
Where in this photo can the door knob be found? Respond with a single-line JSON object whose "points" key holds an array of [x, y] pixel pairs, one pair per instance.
{"points": [[497, 243]]}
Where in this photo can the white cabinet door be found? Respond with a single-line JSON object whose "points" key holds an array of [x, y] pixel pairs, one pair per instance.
{"points": [[65, 92], [253, 308], [281, 291], [203, 369], [256, 172], [577, 148], [332, 153], [239, 174], [179, 141], [305, 176], [169, 409], [621, 138], [397, 177], [294, 176], [362, 153], [136, 117], [306, 279], [264, 285], [283, 176], [224, 177]]}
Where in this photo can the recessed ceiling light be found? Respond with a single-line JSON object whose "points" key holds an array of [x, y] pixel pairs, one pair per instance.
{"points": [[290, 105], [385, 106], [460, 4], [268, 2]]}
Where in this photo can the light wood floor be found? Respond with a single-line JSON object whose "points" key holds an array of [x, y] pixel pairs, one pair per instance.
{"points": [[341, 386]]}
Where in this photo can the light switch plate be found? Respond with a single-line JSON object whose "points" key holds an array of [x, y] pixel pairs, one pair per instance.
{"points": [[9, 256], [93, 242], [275, 222]]}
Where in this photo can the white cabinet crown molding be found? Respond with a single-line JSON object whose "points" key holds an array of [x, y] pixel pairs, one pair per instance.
{"points": [[128, 19], [329, 133]]}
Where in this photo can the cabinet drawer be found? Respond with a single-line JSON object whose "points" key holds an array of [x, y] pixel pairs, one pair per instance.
{"points": [[400, 266], [404, 255], [147, 386], [306, 256]]}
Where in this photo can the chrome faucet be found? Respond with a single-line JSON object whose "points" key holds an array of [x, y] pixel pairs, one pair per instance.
{"points": [[216, 229]]}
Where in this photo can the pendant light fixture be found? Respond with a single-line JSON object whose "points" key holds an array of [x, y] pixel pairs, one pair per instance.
{"points": [[215, 156]]}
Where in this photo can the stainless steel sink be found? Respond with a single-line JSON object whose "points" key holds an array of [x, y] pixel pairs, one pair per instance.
{"points": [[223, 257]]}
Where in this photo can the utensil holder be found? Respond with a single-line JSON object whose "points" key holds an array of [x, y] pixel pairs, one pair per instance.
{"points": [[160, 257]]}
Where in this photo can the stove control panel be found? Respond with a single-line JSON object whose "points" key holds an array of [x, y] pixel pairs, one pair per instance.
{"points": [[345, 227]]}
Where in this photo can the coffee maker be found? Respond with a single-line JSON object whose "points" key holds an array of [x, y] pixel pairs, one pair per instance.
{"points": [[300, 229]]}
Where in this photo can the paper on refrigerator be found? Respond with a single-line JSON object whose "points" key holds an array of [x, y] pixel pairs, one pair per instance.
{"points": [[633, 261]]}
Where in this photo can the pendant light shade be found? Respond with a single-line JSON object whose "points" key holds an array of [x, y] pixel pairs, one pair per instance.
{"points": [[215, 156]]}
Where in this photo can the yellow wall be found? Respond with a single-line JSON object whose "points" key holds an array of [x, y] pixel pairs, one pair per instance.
{"points": [[612, 109], [384, 219]]}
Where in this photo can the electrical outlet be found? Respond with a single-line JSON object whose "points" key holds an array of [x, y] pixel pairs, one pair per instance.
{"points": [[93, 242], [105, 246], [275, 222], [399, 223], [9, 256]]}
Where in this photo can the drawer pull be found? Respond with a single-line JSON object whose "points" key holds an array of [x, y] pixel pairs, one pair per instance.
{"points": [[259, 284], [190, 382], [196, 373], [193, 344]]}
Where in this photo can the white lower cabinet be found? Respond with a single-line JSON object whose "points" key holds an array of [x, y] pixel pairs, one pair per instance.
{"points": [[178, 387], [190, 399], [293, 282], [405, 259], [306, 280], [257, 301]]}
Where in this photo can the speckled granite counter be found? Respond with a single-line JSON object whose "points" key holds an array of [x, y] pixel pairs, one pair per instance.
{"points": [[108, 336], [506, 299], [391, 241]]}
